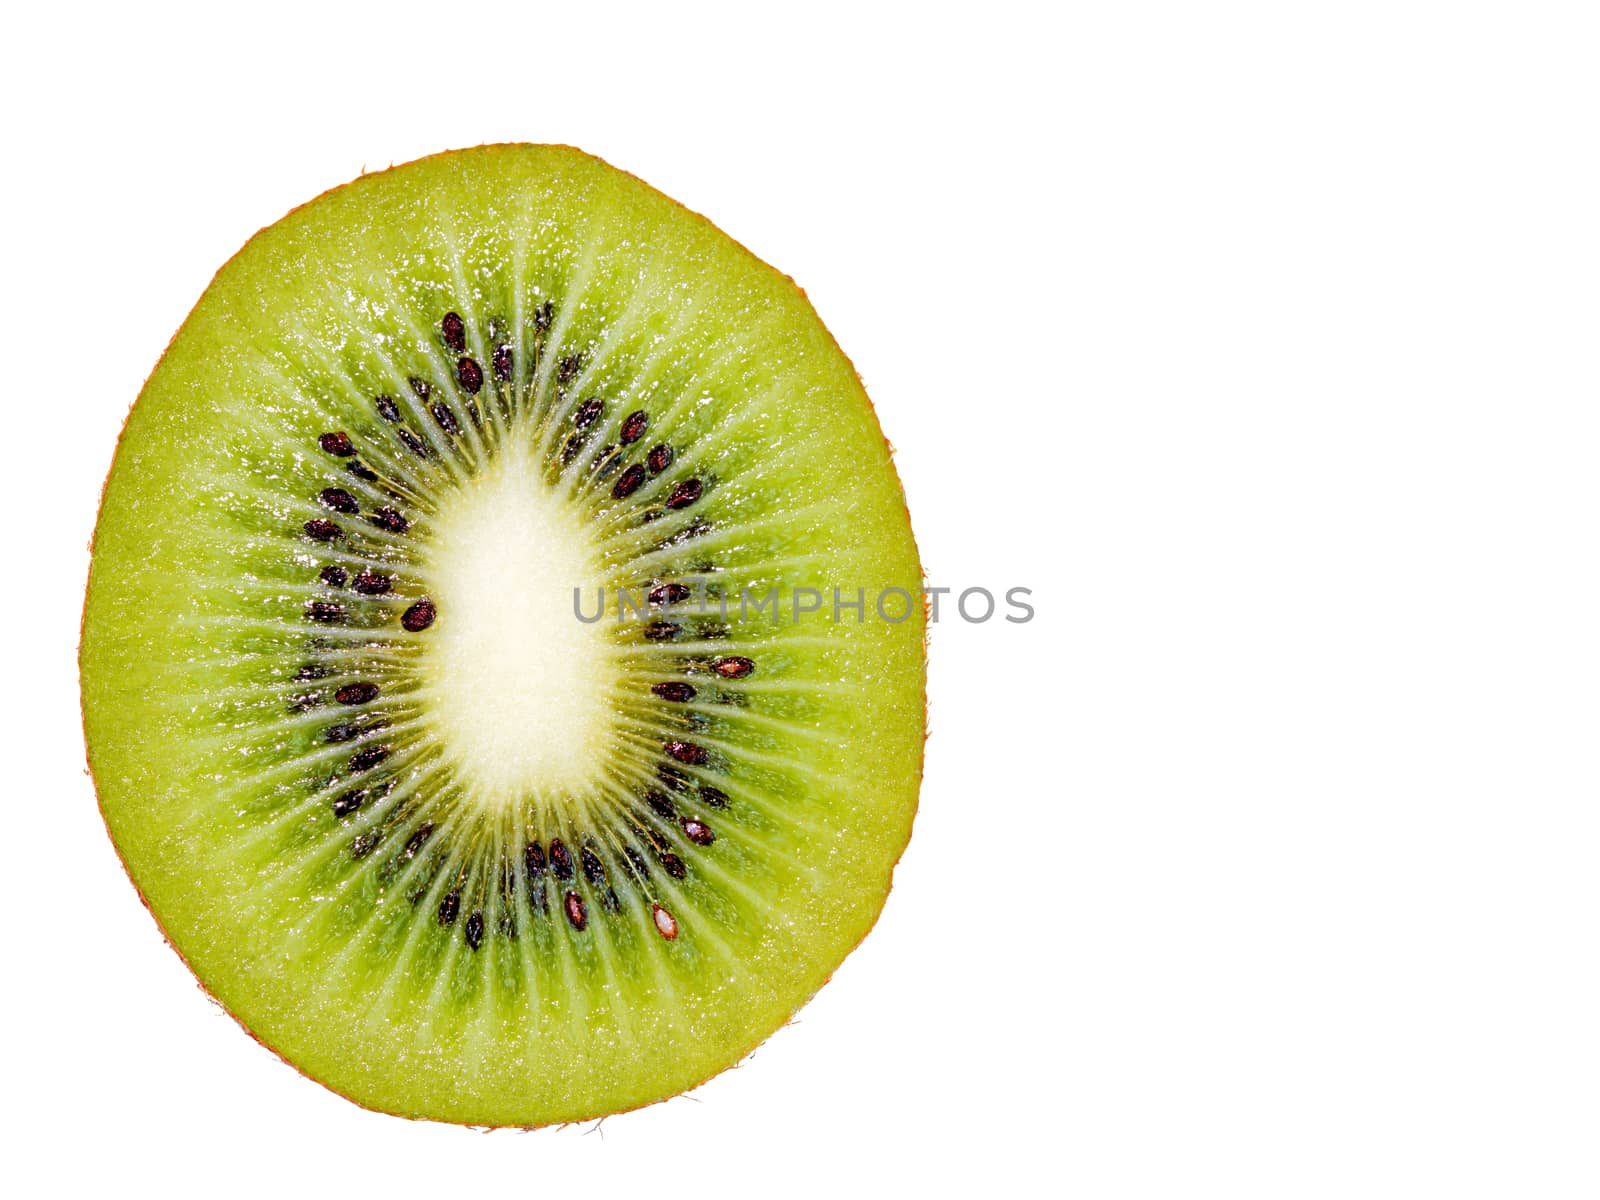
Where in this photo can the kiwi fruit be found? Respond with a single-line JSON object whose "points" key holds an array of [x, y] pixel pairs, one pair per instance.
{"points": [[503, 656]]}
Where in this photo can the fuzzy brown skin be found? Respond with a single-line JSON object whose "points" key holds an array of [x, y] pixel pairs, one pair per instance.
{"points": [[88, 759]]}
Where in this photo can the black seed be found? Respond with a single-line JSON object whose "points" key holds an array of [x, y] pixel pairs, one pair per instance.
{"points": [[370, 583], [662, 804], [660, 631], [361, 471], [387, 408], [715, 797], [305, 702], [412, 442], [415, 841], [711, 630], [362, 846], [733, 667], [560, 860], [501, 361], [634, 426], [454, 330], [357, 693], [543, 315], [569, 368], [607, 460], [576, 914], [588, 412], [628, 482], [337, 444], [391, 519], [325, 611], [570, 450], [320, 529], [609, 898], [533, 857], [698, 832], [339, 500], [418, 617], [669, 593], [470, 375], [637, 861], [678, 693], [347, 803], [420, 387], [593, 869], [343, 732], [334, 576], [672, 777], [672, 864], [449, 907], [659, 458], [313, 671], [687, 753], [685, 494], [368, 757], [445, 419], [475, 930]]}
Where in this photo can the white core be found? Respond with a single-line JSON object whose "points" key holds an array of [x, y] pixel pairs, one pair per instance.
{"points": [[518, 684]]}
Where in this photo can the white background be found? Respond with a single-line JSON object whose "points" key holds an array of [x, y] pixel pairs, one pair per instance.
{"points": [[1258, 340]]}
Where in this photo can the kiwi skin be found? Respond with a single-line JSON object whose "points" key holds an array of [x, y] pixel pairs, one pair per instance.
{"points": [[903, 834]]}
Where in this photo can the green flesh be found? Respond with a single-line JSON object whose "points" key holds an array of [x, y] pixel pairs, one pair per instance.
{"points": [[401, 949]]}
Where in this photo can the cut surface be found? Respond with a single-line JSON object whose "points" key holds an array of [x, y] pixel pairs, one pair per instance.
{"points": [[462, 680], [516, 687]]}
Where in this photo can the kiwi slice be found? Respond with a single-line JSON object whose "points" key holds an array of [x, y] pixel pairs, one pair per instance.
{"points": [[430, 823]]}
